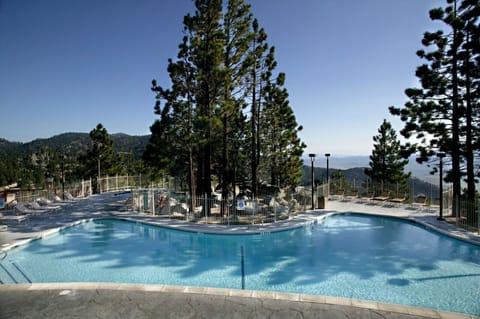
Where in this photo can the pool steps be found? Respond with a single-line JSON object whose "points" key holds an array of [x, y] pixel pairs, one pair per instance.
{"points": [[13, 273]]}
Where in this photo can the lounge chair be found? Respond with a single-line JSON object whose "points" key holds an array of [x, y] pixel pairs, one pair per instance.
{"points": [[35, 205], [24, 209], [352, 195], [398, 200], [47, 204], [69, 196], [368, 197], [57, 200], [420, 200], [383, 197], [338, 194]]}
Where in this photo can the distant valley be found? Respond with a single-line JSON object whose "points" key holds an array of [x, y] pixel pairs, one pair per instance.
{"points": [[420, 171]]}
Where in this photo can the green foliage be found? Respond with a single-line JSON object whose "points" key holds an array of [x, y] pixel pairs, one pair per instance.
{"points": [[280, 137], [29, 164], [444, 114], [386, 162], [224, 68]]}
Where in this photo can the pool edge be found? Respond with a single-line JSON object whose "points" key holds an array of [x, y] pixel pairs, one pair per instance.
{"points": [[66, 288]]}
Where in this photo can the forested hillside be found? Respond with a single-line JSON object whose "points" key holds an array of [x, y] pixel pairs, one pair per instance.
{"points": [[30, 163]]}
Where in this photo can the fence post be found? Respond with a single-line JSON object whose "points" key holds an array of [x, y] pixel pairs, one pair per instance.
{"points": [[455, 205], [153, 202], [274, 210], [168, 204], [83, 190], [253, 209], [228, 211], [205, 207]]}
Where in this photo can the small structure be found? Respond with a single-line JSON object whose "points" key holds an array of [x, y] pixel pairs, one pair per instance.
{"points": [[7, 194]]}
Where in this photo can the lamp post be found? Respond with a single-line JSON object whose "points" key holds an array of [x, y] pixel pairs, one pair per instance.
{"points": [[63, 177], [327, 155], [98, 147], [312, 158], [441, 155], [98, 178]]}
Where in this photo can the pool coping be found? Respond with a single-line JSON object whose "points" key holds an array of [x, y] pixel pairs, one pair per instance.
{"points": [[66, 288]]}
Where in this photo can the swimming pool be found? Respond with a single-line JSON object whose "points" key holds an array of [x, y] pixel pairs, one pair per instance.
{"points": [[353, 256]]}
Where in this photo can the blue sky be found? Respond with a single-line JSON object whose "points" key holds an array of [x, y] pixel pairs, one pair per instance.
{"points": [[67, 65]]}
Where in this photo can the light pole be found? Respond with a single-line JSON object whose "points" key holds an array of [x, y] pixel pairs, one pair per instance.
{"points": [[98, 178], [441, 155], [63, 177], [312, 158], [327, 155]]}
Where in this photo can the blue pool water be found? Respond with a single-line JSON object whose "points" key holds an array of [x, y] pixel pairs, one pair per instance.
{"points": [[353, 256]]}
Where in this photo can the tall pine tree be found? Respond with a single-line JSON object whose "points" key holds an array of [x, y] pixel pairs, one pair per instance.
{"points": [[440, 116], [211, 120], [387, 165]]}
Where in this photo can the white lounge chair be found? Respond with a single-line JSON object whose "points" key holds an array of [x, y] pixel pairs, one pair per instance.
{"points": [[37, 206], [48, 203], [69, 196], [22, 208]]}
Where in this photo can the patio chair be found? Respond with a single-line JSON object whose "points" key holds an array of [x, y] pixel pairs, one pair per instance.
{"points": [[24, 209], [420, 200], [398, 200], [352, 195], [48, 204], [57, 200], [36, 206], [383, 197]]}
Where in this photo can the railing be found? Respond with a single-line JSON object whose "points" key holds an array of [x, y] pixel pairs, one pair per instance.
{"points": [[467, 215], [215, 210], [79, 190], [116, 183]]}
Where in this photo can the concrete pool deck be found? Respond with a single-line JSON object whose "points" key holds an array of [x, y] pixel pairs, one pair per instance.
{"points": [[152, 301]]}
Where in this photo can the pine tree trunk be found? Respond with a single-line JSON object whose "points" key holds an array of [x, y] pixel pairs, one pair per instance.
{"points": [[456, 173], [254, 126], [224, 181], [469, 156]]}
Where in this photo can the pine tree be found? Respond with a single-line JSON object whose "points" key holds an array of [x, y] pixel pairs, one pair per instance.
{"points": [[441, 115], [281, 147], [256, 82], [386, 162], [469, 70], [206, 54], [237, 37], [221, 72], [101, 155]]}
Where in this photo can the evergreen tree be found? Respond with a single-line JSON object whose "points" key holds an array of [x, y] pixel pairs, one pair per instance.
{"points": [[386, 162], [256, 81], [441, 115], [281, 147], [207, 57], [237, 38], [101, 157], [221, 72], [469, 70]]}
